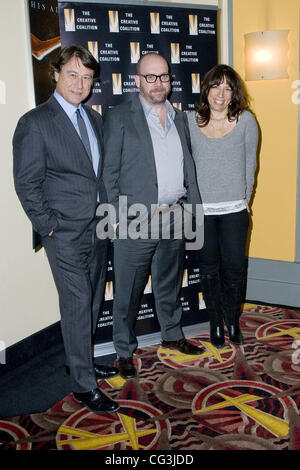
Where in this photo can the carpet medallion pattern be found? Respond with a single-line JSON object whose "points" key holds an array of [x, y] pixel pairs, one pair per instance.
{"points": [[236, 398]]}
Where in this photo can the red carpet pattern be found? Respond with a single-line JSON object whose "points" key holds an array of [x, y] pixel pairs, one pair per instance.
{"points": [[236, 398]]}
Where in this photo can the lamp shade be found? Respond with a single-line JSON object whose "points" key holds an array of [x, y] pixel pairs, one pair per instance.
{"points": [[266, 55]]}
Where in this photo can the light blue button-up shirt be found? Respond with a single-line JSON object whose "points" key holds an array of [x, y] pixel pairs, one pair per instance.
{"points": [[70, 110], [168, 154]]}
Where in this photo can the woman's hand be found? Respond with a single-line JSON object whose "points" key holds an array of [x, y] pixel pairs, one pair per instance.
{"points": [[247, 207]]}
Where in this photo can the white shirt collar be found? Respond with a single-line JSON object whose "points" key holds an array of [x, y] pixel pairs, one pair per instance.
{"points": [[69, 108]]}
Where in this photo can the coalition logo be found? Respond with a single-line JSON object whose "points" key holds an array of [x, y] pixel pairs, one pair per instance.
{"points": [[148, 288], [175, 53], [117, 83], [201, 301], [178, 106], [135, 52], [193, 24], [98, 108], [93, 48], [113, 16], [185, 279], [69, 15], [154, 22], [109, 291], [195, 82]]}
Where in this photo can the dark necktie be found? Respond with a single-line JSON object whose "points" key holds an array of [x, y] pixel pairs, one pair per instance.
{"points": [[84, 134]]}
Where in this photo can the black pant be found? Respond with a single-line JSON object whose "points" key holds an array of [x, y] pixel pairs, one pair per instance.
{"points": [[223, 251]]}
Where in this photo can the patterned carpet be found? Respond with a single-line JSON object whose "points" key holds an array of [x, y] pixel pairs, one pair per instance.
{"points": [[236, 398]]}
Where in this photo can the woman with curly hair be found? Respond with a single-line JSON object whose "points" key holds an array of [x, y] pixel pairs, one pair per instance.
{"points": [[224, 137]]}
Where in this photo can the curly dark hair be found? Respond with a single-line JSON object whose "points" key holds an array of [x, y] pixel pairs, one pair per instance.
{"points": [[215, 76]]}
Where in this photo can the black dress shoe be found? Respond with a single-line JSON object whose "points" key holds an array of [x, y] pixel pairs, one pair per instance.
{"points": [[126, 367], [96, 401], [101, 372], [105, 372], [183, 346]]}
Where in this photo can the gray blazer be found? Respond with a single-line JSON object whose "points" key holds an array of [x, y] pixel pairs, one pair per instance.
{"points": [[129, 164], [53, 175]]}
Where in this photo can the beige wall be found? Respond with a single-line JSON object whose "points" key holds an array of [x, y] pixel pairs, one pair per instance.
{"points": [[28, 297], [274, 207]]}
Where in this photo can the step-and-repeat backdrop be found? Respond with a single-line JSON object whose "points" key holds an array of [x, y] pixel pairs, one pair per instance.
{"points": [[118, 35]]}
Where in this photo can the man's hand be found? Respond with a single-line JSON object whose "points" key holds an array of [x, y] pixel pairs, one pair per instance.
{"points": [[50, 234]]}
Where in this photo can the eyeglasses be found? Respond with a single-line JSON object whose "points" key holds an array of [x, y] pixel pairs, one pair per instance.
{"points": [[151, 78]]}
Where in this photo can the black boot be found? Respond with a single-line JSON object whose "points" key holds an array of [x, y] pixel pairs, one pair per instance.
{"points": [[232, 299], [211, 289]]}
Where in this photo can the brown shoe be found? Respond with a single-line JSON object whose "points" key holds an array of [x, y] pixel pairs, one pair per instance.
{"points": [[183, 346], [126, 367]]}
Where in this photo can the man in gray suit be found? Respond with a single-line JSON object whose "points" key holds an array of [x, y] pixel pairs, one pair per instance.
{"points": [[148, 162], [58, 160]]}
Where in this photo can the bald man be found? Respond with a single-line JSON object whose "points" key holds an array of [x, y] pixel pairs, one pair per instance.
{"points": [[148, 165]]}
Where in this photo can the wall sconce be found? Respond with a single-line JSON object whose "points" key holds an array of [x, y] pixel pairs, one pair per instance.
{"points": [[266, 54]]}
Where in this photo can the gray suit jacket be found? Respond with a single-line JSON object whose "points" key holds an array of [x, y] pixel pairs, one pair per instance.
{"points": [[53, 175], [129, 164]]}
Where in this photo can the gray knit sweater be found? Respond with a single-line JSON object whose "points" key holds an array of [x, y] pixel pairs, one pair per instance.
{"points": [[225, 167]]}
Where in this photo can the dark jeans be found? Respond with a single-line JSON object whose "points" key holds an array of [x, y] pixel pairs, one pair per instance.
{"points": [[224, 245]]}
